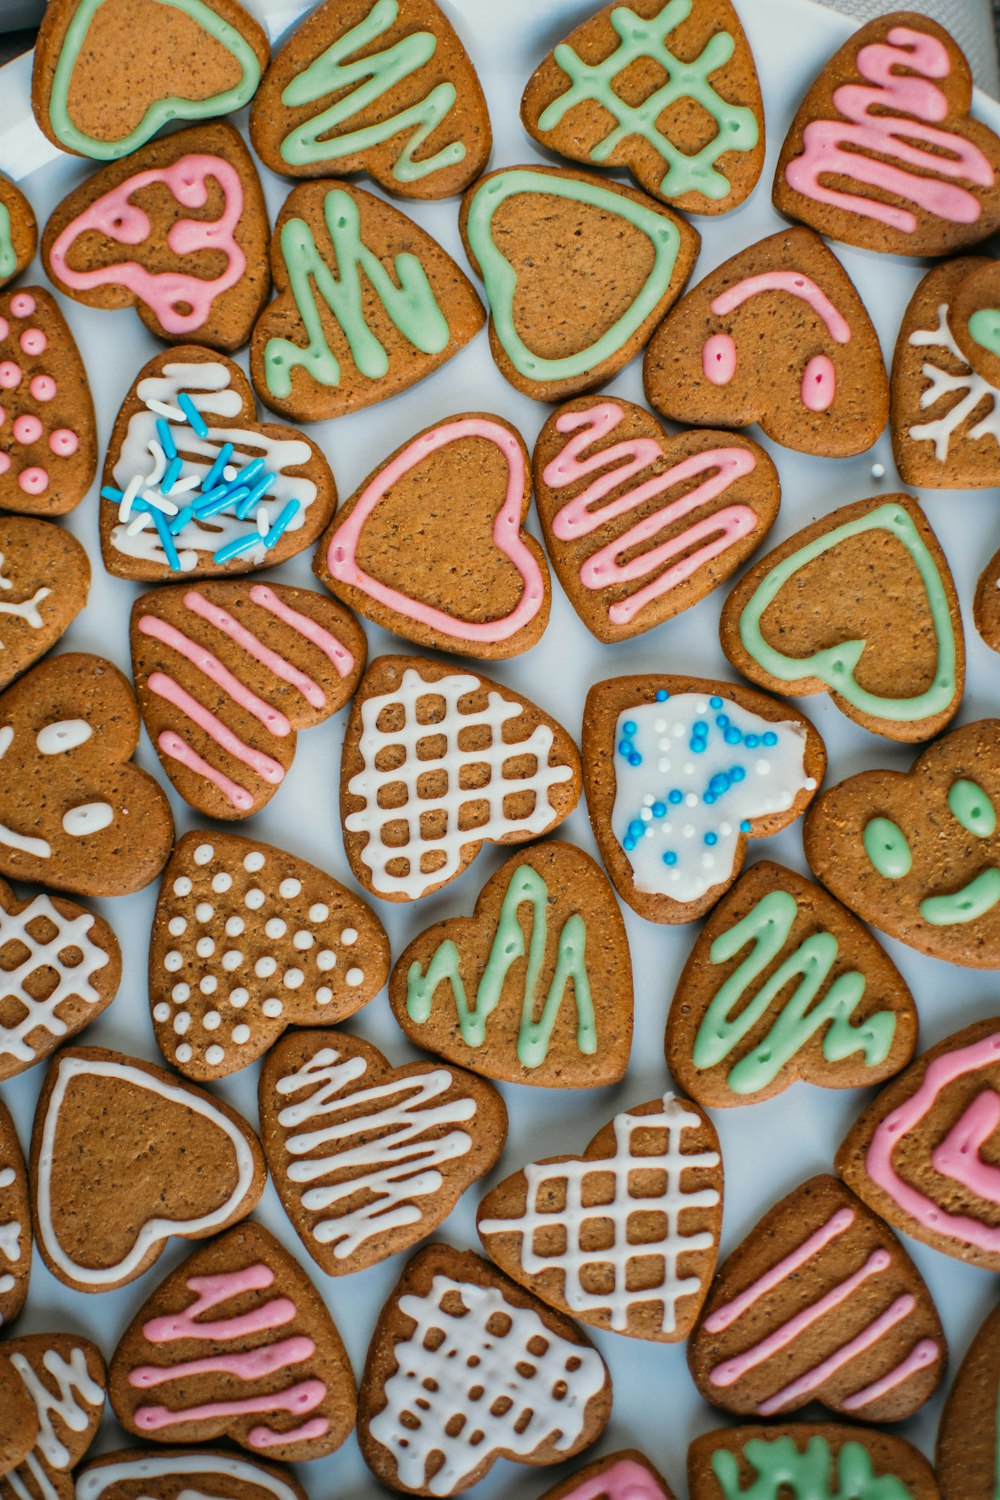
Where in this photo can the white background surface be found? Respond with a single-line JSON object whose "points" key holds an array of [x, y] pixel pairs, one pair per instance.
{"points": [[768, 1148]]}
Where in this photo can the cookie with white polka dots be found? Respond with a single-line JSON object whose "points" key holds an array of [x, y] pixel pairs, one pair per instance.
{"points": [[248, 940]]}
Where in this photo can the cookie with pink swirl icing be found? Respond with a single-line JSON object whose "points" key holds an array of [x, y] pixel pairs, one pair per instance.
{"points": [[776, 335], [883, 152], [625, 1475], [18, 231], [178, 230]]}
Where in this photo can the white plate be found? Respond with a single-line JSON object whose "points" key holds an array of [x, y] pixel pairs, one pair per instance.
{"points": [[767, 1148]]}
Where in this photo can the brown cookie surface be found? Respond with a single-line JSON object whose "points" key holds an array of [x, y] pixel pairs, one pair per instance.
{"points": [[820, 1302], [367, 1159], [362, 86], [803, 1455], [976, 317], [44, 582], [967, 1441], [124, 1155], [15, 1241], [777, 335], [18, 231], [64, 1378], [20, 1427], [626, 1475], [986, 605], [860, 604], [210, 1473]]}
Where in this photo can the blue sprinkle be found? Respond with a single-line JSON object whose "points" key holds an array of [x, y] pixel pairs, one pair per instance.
{"points": [[630, 727], [751, 741], [635, 760], [166, 540], [109, 493], [722, 720], [715, 702], [662, 695], [698, 746], [233, 549], [711, 839], [719, 783], [628, 844], [256, 493], [166, 437], [212, 504], [635, 829], [670, 858], [732, 737], [281, 523], [737, 774], [624, 748], [193, 415], [172, 475], [675, 796], [215, 472], [745, 826], [251, 471], [769, 739], [181, 519], [659, 809], [708, 799]]}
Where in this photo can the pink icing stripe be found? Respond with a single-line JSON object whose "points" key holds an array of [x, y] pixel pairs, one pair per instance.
{"points": [[215, 671], [725, 1316], [976, 1175], [249, 1364], [731, 1370], [726, 526], [120, 220], [241, 636], [341, 558], [209, 1292], [171, 744], [165, 687], [887, 134], [300, 1398], [957, 1156], [819, 384], [265, 1437], [925, 1353], [625, 1480], [895, 1313], [334, 650], [796, 284]]}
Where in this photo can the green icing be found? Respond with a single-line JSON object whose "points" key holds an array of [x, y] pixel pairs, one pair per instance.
{"points": [[508, 946], [784, 1472], [835, 665], [500, 277], [887, 848], [161, 110], [410, 304], [8, 260], [971, 807], [984, 329], [367, 79], [971, 902], [767, 926], [736, 125]]}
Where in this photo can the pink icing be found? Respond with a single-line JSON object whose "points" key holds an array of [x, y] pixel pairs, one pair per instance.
{"points": [[796, 284], [27, 428], [10, 375], [718, 358], [222, 620], [22, 304], [341, 554], [33, 481], [4, 328], [247, 1364], [4, 462], [43, 387], [3, 415], [726, 1315], [924, 1353], [171, 744], [812, 1379], [300, 1398], [338, 655], [64, 442], [33, 341], [264, 1437], [165, 293], [212, 668], [625, 1480], [209, 1292], [819, 383], [957, 1156], [862, 131], [165, 687]]}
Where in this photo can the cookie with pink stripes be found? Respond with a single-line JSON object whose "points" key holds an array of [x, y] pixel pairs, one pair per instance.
{"points": [[226, 673], [819, 1303], [626, 1475]]}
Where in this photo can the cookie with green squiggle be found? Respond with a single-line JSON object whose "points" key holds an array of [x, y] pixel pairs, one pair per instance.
{"points": [[807, 1461]]}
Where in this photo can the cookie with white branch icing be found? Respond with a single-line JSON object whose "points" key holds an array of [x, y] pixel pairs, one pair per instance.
{"points": [[15, 1226], [18, 231], [44, 582], [64, 1379], [808, 1461], [170, 1474]]}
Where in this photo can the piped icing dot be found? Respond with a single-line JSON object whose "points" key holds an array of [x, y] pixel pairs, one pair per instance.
{"points": [[63, 442], [27, 428], [4, 462], [43, 387], [253, 861], [319, 912], [10, 375], [214, 1055], [22, 304], [33, 341], [353, 977], [203, 854]]}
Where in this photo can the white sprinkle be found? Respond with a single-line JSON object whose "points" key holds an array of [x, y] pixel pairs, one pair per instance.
{"points": [[138, 523], [176, 926], [230, 471], [272, 1007], [878, 471], [263, 522], [253, 861], [164, 409], [326, 960], [221, 882]]}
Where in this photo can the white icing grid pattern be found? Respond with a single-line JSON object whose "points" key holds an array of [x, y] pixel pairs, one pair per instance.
{"points": [[457, 763], [624, 1256], [73, 981], [971, 389]]}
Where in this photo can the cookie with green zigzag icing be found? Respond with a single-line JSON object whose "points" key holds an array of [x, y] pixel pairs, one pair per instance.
{"points": [[808, 1461], [18, 231]]}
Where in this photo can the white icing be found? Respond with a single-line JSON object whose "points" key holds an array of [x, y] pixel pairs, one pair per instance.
{"points": [[90, 817], [75, 1391], [104, 1480], [27, 609], [10, 1233], [66, 735], [45, 958], [969, 386]]}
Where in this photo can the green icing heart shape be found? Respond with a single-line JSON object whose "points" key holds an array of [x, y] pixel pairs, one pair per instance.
{"points": [[161, 110], [984, 329]]}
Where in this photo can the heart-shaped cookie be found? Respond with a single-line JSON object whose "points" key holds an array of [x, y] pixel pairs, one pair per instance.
{"points": [[183, 59], [60, 967], [44, 581], [20, 1429], [921, 1155], [492, 991], [806, 1460], [124, 1155], [975, 315], [861, 604], [986, 606], [64, 1378], [194, 484], [367, 1159], [776, 335], [493, 768], [236, 1343], [227, 673], [883, 153], [784, 984], [209, 1473], [564, 314], [248, 940], [679, 772], [917, 854], [625, 1236], [18, 231], [15, 1225], [625, 1475], [368, 304], [641, 525], [75, 812], [178, 231], [432, 545], [820, 1302], [968, 1440], [377, 86]]}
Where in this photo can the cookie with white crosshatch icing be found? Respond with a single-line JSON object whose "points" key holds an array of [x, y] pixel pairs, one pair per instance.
{"points": [[170, 1473], [64, 1378], [18, 231], [248, 940], [44, 581], [808, 1461], [15, 1223]]}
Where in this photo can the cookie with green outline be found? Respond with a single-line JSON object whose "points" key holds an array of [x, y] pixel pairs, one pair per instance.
{"points": [[967, 1456], [18, 231], [809, 1461], [860, 604]]}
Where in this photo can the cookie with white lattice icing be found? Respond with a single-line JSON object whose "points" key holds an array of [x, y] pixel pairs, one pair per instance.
{"points": [[464, 1368], [205, 1473], [15, 1223], [18, 231], [44, 581], [248, 940], [624, 1236], [368, 1159], [64, 1378], [809, 1461]]}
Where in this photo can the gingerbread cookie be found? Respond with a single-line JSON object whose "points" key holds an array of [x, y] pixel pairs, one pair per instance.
{"points": [[20, 1429], [641, 525], [883, 153], [917, 853], [48, 453], [178, 231], [453, 1329], [916, 1153], [784, 984], [986, 606], [626, 1475], [776, 335], [669, 849], [227, 673], [248, 940], [860, 604], [75, 812], [18, 231], [194, 484], [968, 1440], [565, 314], [377, 86], [208, 1473], [44, 582], [183, 60], [492, 991], [64, 1379], [432, 545], [808, 1461], [15, 1231], [491, 766], [819, 1303], [368, 1159], [625, 1236], [124, 1155], [367, 305], [236, 1343]]}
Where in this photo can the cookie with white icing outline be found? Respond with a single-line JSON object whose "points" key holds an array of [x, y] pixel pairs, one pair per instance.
{"points": [[209, 1473], [44, 582], [794, 1459], [968, 1440], [18, 231], [64, 1378], [15, 1228]]}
